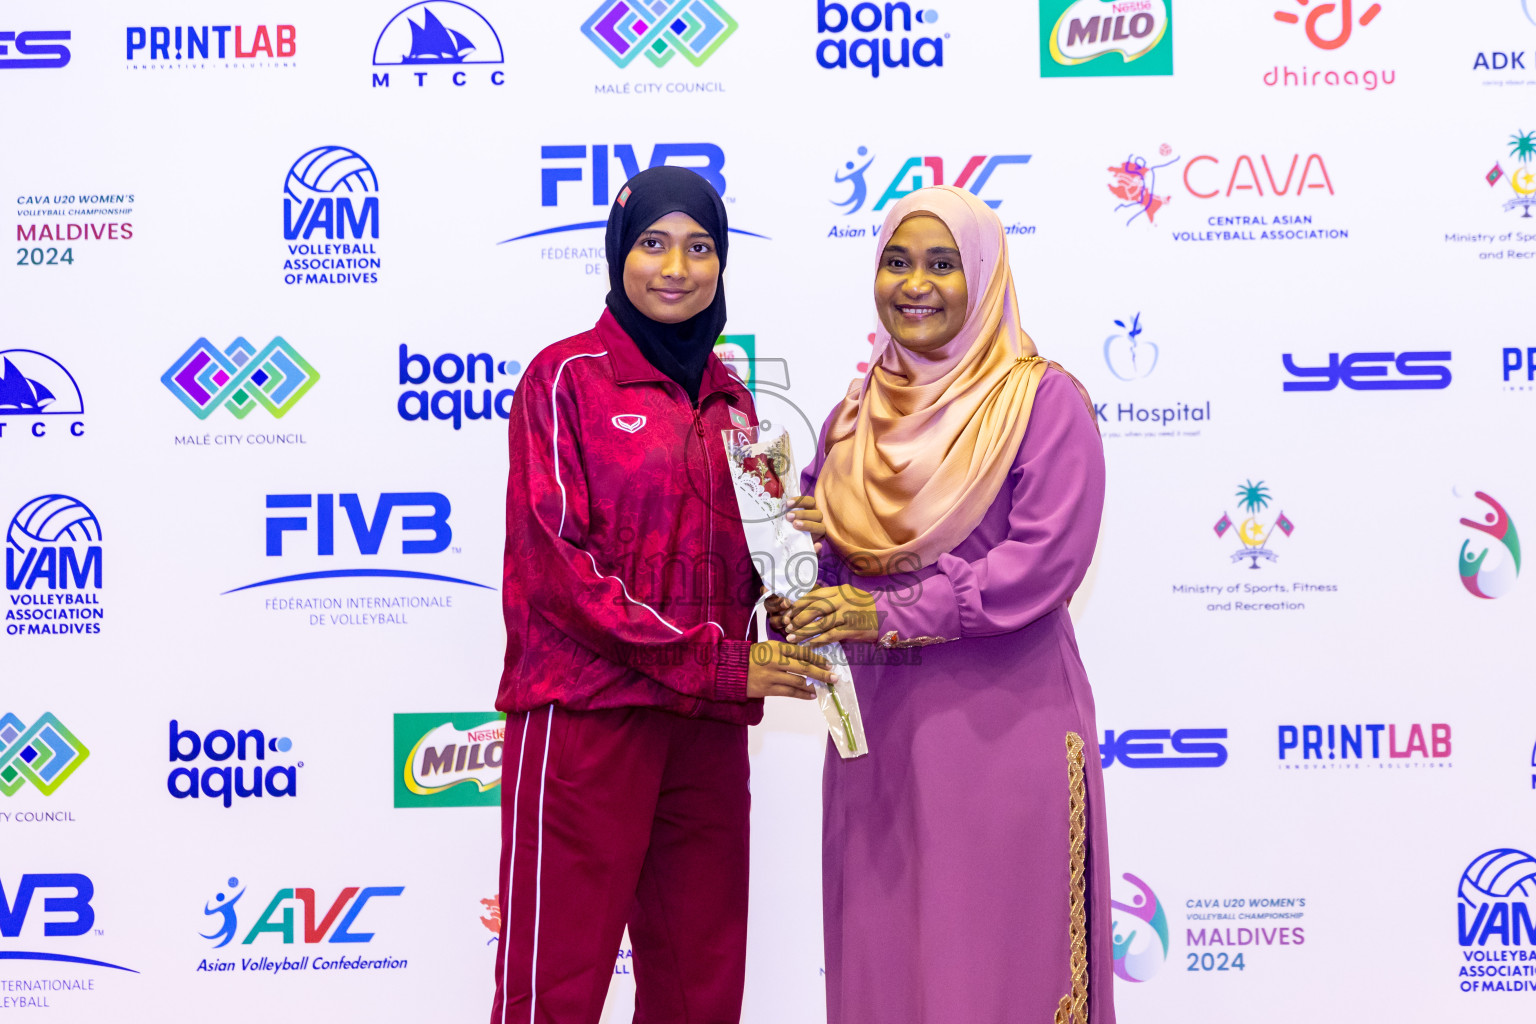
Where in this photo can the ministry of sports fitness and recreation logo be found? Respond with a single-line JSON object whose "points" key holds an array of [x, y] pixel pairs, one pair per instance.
{"points": [[44, 754], [1140, 933], [449, 760], [1482, 576], [439, 39], [659, 29], [331, 192], [917, 172], [34, 387], [53, 569], [1328, 27], [1494, 923], [1253, 500], [1521, 179], [1095, 38], [240, 379]]}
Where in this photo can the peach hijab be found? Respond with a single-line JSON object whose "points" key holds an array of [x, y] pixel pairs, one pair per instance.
{"points": [[921, 446]]}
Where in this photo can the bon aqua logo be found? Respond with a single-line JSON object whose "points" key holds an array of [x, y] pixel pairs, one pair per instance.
{"points": [[1481, 576]]}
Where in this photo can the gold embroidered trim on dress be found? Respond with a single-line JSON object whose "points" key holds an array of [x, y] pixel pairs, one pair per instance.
{"points": [[1073, 1008], [892, 640]]}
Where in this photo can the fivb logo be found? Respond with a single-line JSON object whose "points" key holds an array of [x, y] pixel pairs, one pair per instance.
{"points": [[336, 924], [660, 29], [367, 529], [221, 782], [240, 378], [46, 754], [876, 30]]}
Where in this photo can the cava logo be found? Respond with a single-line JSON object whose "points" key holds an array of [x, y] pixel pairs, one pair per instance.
{"points": [[22, 50], [44, 754], [251, 775], [449, 760], [1486, 577], [239, 378], [1083, 38], [330, 193], [439, 34], [53, 561], [1133, 183], [1253, 499], [33, 387], [660, 29]]}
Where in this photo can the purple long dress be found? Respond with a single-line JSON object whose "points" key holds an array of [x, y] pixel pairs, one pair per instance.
{"points": [[966, 876]]}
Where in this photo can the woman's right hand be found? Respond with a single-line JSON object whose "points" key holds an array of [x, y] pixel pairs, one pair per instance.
{"points": [[778, 669]]}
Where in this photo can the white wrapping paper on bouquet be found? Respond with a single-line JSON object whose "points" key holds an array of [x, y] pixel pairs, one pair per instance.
{"points": [[766, 482]]}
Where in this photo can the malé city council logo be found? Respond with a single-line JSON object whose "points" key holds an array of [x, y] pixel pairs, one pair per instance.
{"points": [[1097, 38], [660, 29], [1140, 933], [1253, 498], [1481, 578], [1522, 180], [45, 754], [240, 378]]}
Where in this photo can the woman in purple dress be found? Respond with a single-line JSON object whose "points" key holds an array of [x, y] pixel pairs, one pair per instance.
{"points": [[961, 484]]}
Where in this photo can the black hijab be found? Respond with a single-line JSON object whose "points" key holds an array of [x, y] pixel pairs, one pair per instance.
{"points": [[682, 350]]}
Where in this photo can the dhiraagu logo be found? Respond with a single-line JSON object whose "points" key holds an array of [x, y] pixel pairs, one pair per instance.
{"points": [[1096, 38], [449, 759]]}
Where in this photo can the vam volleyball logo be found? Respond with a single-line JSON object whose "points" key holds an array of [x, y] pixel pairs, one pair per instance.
{"points": [[1140, 932], [439, 34], [1483, 576], [331, 191], [1493, 905], [53, 560], [1095, 38]]}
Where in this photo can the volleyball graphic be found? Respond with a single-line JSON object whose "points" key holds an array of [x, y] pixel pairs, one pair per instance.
{"points": [[328, 169], [53, 519], [1499, 875]]}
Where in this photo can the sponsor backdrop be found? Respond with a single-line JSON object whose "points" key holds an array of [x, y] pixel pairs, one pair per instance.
{"points": [[277, 269]]}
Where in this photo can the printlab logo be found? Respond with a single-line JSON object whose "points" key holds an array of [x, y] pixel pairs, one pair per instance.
{"points": [[1369, 371], [914, 173], [1164, 748], [1514, 360], [44, 754], [1095, 38], [336, 924], [1134, 184], [53, 560], [165, 48], [660, 29], [1253, 499], [1522, 180], [61, 893], [220, 782], [449, 760], [454, 404], [1328, 27], [1493, 909], [1140, 933], [1127, 357], [318, 198], [880, 39], [22, 50], [1481, 576], [1416, 745], [438, 34], [33, 387], [239, 378]]}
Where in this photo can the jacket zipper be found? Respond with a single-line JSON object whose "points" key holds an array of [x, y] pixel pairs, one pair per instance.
{"points": [[709, 538]]}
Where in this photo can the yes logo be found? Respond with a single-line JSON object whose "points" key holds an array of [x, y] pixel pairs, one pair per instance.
{"points": [[33, 50], [1368, 371], [1106, 37], [1145, 748]]}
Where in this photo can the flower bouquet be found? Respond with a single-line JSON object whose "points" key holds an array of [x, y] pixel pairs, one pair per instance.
{"points": [[766, 483]]}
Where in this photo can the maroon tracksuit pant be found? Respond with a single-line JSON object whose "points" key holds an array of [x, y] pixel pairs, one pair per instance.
{"points": [[625, 816]]}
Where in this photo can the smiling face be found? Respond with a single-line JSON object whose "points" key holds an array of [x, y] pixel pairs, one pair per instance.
{"points": [[920, 287], [673, 269]]}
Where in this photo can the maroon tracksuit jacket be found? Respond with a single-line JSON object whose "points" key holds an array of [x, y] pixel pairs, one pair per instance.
{"points": [[627, 593]]}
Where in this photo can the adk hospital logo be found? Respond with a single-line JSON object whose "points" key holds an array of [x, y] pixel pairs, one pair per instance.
{"points": [[1494, 924], [53, 569], [331, 219]]}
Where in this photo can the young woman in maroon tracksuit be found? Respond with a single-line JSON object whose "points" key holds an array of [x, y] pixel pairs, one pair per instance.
{"points": [[629, 683]]}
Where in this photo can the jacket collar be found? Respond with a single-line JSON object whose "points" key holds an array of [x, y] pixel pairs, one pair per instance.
{"points": [[631, 367]]}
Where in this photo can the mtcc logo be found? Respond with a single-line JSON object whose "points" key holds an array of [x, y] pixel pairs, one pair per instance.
{"points": [[437, 34], [917, 172], [1482, 577], [1106, 37], [33, 50], [240, 378], [660, 29], [321, 924], [1253, 498], [45, 754], [35, 385], [1140, 933]]}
